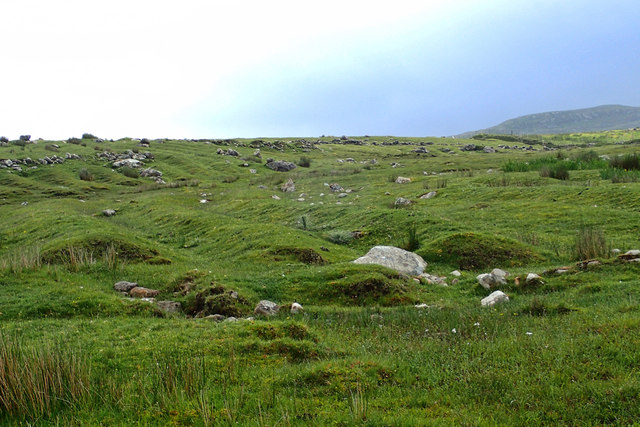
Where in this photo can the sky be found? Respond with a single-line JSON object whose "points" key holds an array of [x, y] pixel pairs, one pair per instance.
{"points": [[224, 69]]}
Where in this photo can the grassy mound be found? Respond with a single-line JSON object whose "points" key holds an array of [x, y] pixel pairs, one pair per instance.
{"points": [[217, 300], [472, 251], [360, 285], [304, 255], [99, 247]]}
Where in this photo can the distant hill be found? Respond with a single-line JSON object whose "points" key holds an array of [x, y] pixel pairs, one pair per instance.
{"points": [[604, 117]]}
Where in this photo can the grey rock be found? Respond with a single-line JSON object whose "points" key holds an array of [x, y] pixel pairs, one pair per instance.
{"points": [[289, 186], [108, 212], [429, 195], [403, 180], [281, 166], [148, 172], [495, 298], [130, 163], [395, 258], [266, 308], [216, 317], [401, 201], [491, 280], [124, 286], [296, 308], [141, 292], [336, 188], [169, 306]]}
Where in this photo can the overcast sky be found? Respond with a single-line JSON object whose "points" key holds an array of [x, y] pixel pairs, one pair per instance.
{"points": [[214, 69]]}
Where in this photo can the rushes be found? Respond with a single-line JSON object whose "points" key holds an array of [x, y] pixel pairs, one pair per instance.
{"points": [[34, 382], [28, 259], [590, 243]]}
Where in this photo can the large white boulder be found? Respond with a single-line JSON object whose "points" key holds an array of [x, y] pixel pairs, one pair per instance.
{"points": [[402, 261], [495, 298], [491, 280]]}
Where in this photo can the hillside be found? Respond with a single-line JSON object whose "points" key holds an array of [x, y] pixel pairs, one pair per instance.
{"points": [[130, 271], [605, 117]]}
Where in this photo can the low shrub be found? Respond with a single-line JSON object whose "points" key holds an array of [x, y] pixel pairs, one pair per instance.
{"points": [[85, 175], [340, 237], [304, 162], [559, 171], [131, 172], [625, 162]]}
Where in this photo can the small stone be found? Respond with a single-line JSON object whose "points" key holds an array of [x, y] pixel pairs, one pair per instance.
{"points": [[456, 273], [274, 197], [216, 317], [296, 308], [429, 195], [108, 212], [403, 180]]}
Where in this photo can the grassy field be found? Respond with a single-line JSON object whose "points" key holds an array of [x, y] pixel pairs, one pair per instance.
{"points": [[213, 237]]}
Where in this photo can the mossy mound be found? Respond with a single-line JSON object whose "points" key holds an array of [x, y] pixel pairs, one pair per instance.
{"points": [[472, 251], [304, 255], [217, 300], [361, 285], [100, 248]]}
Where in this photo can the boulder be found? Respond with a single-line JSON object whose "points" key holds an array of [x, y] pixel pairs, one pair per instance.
{"points": [[629, 255], [432, 279], [336, 188], [169, 306], [108, 212], [281, 166], [216, 317], [140, 292], [495, 298], [403, 180], [289, 186], [402, 261], [124, 286], [266, 308], [456, 273]]}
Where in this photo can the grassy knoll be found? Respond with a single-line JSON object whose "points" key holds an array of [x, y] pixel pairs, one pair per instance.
{"points": [[215, 239]]}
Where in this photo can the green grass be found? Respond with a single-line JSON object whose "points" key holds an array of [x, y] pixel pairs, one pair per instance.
{"points": [[562, 352]]}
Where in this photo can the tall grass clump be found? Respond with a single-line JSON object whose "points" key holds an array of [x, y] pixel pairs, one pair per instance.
{"points": [[558, 171], [626, 162], [590, 243], [27, 259], [620, 175], [340, 237], [35, 382], [85, 175], [130, 172], [304, 162], [413, 240]]}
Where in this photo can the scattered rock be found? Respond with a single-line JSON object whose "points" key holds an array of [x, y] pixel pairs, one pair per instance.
{"points": [[281, 166], [130, 163], [124, 286], [169, 306], [395, 258], [401, 201], [231, 319], [108, 212], [336, 188], [433, 280], [296, 308], [140, 292], [266, 308], [275, 197], [456, 273], [630, 255], [429, 195], [216, 317], [423, 305], [495, 298], [289, 186], [491, 280], [402, 180]]}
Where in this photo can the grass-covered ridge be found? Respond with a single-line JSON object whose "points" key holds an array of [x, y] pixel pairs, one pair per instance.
{"points": [[214, 238]]}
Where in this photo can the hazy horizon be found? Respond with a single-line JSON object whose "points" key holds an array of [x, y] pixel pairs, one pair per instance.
{"points": [[284, 69]]}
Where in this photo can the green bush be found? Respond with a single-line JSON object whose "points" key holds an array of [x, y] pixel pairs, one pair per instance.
{"points": [[131, 172], [304, 162], [555, 171], [85, 175], [340, 237], [626, 162]]}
